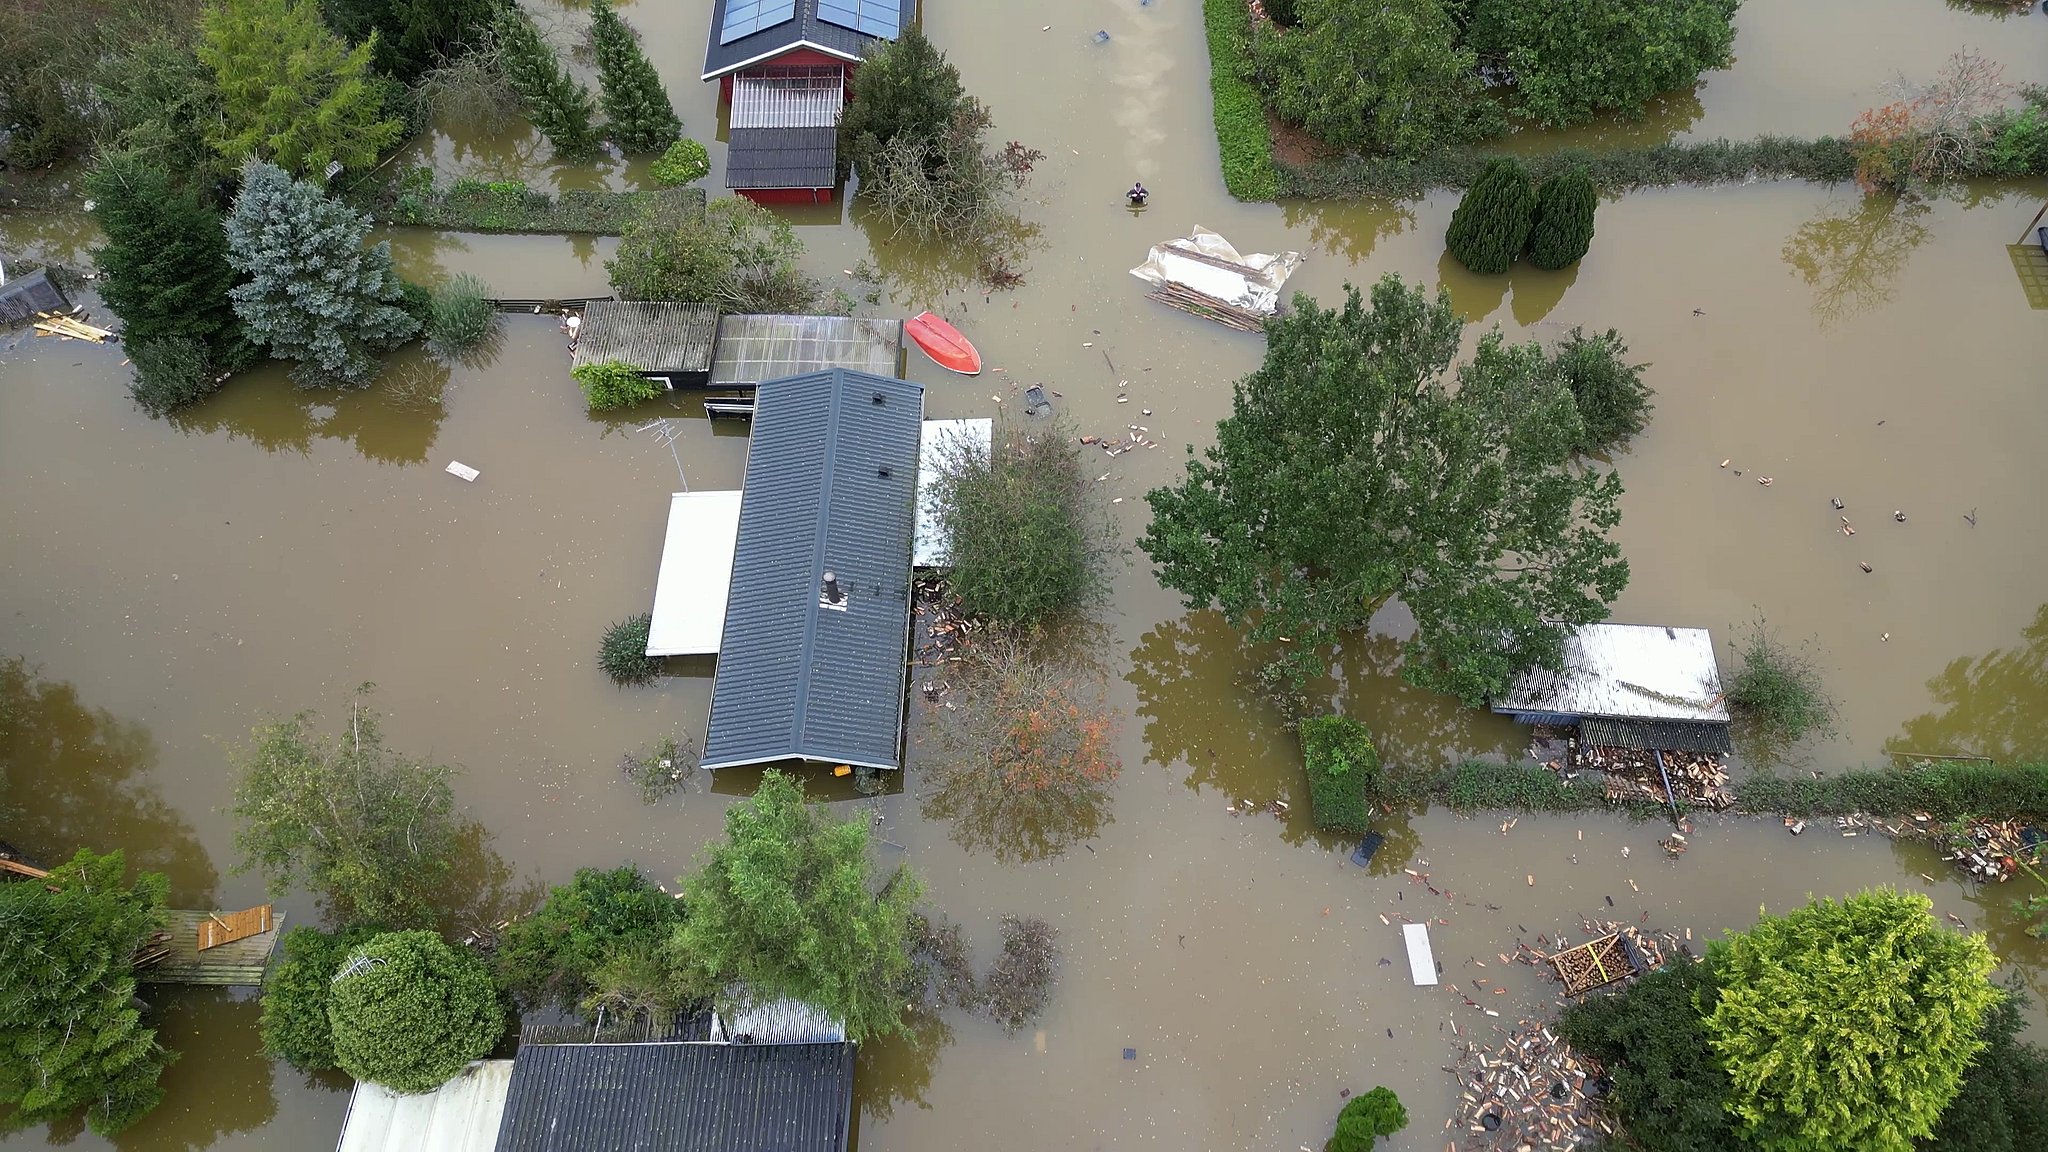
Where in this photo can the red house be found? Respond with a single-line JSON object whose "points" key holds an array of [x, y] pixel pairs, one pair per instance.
{"points": [[783, 66]]}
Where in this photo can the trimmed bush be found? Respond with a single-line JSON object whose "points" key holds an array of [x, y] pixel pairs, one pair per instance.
{"points": [[1945, 790], [1491, 225], [1564, 220], [1827, 160], [1365, 1119], [409, 1012], [171, 372], [1343, 772], [1612, 400], [623, 653], [613, 384], [685, 162], [1243, 137], [460, 315]]}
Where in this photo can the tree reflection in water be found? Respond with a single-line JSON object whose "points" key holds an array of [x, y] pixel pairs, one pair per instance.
{"points": [[223, 1065], [898, 1069], [1994, 705], [1851, 254]]}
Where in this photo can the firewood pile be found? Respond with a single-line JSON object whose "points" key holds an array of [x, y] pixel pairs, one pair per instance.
{"points": [[1996, 850], [1612, 946], [1532, 1092], [1699, 778], [1594, 964]]}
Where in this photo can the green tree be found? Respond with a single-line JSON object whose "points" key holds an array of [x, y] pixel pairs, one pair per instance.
{"points": [[1613, 401], [787, 906], [1570, 59], [2003, 1103], [292, 92], [1563, 227], [609, 385], [372, 832], [1384, 77], [1669, 1089], [685, 162], [1365, 1119], [560, 107], [159, 100], [552, 957], [640, 118], [1343, 771], [904, 88], [1490, 226], [412, 36], [409, 1012], [313, 292], [295, 994], [1848, 1025], [734, 253], [71, 1030], [1351, 472]]}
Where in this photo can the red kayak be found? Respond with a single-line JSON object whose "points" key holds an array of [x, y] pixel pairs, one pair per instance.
{"points": [[943, 343]]}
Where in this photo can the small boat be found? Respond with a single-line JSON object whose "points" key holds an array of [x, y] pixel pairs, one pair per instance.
{"points": [[943, 343]]}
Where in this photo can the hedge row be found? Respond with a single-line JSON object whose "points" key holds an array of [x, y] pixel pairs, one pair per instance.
{"points": [[1826, 160], [1242, 134], [470, 205], [1343, 770]]}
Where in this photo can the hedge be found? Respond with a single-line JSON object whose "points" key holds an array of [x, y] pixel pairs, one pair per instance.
{"points": [[469, 205], [1343, 772], [1826, 160], [1243, 137]]}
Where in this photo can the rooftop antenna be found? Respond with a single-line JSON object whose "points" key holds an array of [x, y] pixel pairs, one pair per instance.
{"points": [[667, 431]]}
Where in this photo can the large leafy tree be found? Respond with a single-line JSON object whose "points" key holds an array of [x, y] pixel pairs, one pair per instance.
{"points": [[559, 106], [1571, 59], [552, 956], [372, 832], [71, 1031], [291, 91], [296, 990], [641, 119], [413, 35], [1351, 471], [314, 293], [905, 88], [1386, 77], [788, 906], [1848, 1025], [409, 1012]]}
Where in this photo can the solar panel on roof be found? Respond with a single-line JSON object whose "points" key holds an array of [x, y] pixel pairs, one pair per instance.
{"points": [[875, 17], [746, 17]]}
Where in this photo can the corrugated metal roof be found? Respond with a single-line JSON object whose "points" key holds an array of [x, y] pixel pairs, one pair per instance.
{"points": [[1658, 735], [753, 348], [651, 336], [24, 296], [779, 1022], [942, 438], [460, 1116], [800, 96], [1627, 671], [782, 158], [797, 679], [679, 1098], [805, 31], [696, 572]]}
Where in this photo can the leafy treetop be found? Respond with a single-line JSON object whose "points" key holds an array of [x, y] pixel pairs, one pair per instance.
{"points": [[550, 956], [905, 87], [409, 1012], [292, 92], [1571, 59], [1351, 472]]}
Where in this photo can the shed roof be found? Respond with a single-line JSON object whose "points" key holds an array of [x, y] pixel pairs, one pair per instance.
{"points": [[782, 158], [940, 439], [1627, 671], [806, 27], [679, 1098], [696, 572], [830, 487], [24, 296], [753, 348], [1658, 735], [651, 336], [459, 1116]]}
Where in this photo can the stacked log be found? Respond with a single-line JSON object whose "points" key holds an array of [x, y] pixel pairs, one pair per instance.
{"points": [[1531, 1092], [1700, 778]]}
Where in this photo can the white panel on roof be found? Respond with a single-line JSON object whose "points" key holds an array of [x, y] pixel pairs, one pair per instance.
{"points": [[460, 1116], [696, 574]]}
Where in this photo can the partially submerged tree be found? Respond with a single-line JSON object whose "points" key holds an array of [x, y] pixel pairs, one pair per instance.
{"points": [[1365, 1119], [553, 957], [1780, 689], [788, 905], [314, 293], [409, 1012], [1934, 133], [413, 36], [903, 88], [1490, 227], [1613, 401], [640, 117], [1848, 1025], [733, 253], [1563, 227], [1670, 1090], [296, 990], [1019, 983], [560, 107], [72, 1036], [1570, 60], [372, 832], [1350, 472], [293, 93]]}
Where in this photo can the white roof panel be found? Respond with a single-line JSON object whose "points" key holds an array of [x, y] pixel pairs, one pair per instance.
{"points": [[1421, 960], [696, 574], [459, 1116], [929, 550], [1627, 672]]}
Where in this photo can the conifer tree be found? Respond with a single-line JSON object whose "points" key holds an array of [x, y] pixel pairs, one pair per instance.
{"points": [[292, 92], [314, 294], [1491, 225], [641, 118], [560, 107], [71, 1035], [1564, 220]]}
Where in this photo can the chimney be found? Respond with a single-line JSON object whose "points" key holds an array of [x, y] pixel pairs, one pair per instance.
{"points": [[833, 596]]}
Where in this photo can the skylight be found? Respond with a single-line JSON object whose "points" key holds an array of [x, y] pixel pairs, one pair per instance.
{"points": [[875, 17], [746, 17]]}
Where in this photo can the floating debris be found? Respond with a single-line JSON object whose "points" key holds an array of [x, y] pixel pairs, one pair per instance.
{"points": [[1532, 1091], [1995, 850]]}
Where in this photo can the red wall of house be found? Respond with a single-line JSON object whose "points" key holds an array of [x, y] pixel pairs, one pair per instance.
{"points": [[787, 195]]}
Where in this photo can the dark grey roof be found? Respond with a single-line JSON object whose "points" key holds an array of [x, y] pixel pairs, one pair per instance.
{"points": [[24, 296], [651, 336], [797, 680], [805, 29], [782, 158], [679, 1098], [1657, 735]]}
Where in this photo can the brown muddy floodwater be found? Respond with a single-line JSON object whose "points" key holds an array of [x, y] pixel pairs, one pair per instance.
{"points": [[181, 582]]}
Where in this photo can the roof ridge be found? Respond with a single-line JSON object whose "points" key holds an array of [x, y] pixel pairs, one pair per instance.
{"points": [[800, 716]]}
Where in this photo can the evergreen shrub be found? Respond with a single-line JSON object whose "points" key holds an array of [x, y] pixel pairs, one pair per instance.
{"points": [[1563, 229], [1491, 225], [409, 1012], [623, 653], [1343, 771]]}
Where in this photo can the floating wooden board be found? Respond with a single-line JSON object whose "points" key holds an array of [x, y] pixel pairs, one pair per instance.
{"points": [[1421, 960], [20, 869], [227, 927]]}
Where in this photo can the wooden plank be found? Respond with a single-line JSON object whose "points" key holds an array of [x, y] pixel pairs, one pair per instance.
{"points": [[20, 869], [218, 929], [1421, 960]]}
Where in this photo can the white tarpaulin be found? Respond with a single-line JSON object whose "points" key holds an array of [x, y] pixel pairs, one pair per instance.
{"points": [[1206, 263]]}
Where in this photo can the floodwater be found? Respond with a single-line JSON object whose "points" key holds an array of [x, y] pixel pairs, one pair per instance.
{"points": [[174, 584]]}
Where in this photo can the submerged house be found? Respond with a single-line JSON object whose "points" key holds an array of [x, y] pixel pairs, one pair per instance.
{"points": [[783, 66], [1629, 686]]}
